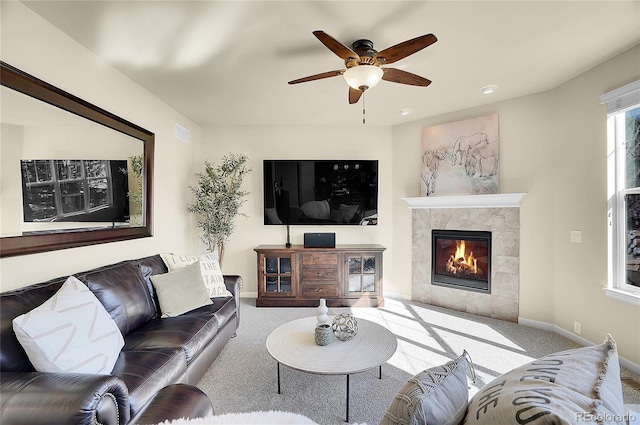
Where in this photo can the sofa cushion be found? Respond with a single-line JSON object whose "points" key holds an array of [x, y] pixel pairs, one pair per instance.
{"points": [[123, 292], [435, 396], [154, 262], [562, 388], [209, 267], [147, 371], [224, 309], [181, 290], [188, 332], [71, 332]]}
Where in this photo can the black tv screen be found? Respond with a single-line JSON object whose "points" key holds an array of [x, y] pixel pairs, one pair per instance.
{"points": [[312, 192]]}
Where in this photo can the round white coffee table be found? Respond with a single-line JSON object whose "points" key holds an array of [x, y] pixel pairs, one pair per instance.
{"points": [[293, 345]]}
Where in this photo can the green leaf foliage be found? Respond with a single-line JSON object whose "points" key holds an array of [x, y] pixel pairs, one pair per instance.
{"points": [[218, 199]]}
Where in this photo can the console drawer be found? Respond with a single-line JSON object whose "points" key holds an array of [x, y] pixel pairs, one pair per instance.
{"points": [[319, 259], [320, 290], [309, 274]]}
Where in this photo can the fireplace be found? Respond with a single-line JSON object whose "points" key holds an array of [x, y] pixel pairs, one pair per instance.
{"points": [[461, 259], [495, 213]]}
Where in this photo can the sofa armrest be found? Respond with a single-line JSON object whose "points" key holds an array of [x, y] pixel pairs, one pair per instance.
{"points": [[73, 398], [234, 285], [175, 402]]}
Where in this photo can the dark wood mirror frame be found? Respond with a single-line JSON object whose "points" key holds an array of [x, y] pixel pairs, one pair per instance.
{"points": [[69, 238]]}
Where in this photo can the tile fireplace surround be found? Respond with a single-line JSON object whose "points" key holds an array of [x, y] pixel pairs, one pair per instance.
{"points": [[498, 214]]}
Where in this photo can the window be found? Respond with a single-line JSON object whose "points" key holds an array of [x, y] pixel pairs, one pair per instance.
{"points": [[623, 176], [61, 188]]}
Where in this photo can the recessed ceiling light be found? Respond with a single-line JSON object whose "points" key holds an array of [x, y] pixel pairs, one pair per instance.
{"points": [[490, 88], [404, 111]]}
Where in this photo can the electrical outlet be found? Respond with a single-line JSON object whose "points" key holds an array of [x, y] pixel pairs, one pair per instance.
{"points": [[577, 327], [576, 236]]}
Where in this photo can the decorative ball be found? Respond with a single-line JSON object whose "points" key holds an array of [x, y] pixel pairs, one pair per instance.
{"points": [[345, 327]]}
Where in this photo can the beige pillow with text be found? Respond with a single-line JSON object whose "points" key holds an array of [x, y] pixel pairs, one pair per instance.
{"points": [[209, 267]]}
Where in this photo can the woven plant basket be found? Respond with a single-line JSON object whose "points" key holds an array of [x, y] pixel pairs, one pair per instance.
{"points": [[324, 334]]}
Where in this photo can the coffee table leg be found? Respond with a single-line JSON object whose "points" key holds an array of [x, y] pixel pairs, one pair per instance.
{"points": [[380, 374], [278, 377], [347, 419]]}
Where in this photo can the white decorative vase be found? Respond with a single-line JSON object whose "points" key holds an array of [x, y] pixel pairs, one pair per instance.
{"points": [[322, 311]]}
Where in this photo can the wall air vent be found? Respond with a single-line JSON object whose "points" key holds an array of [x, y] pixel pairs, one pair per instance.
{"points": [[182, 133]]}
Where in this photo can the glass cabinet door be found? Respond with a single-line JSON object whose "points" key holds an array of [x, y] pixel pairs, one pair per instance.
{"points": [[361, 273], [277, 274]]}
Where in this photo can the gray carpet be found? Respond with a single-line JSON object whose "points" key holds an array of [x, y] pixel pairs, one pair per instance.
{"points": [[244, 377]]}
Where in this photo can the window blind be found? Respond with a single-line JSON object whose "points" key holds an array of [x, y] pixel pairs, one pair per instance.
{"points": [[622, 98]]}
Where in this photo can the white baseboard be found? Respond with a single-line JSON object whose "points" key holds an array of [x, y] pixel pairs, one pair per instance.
{"points": [[393, 295], [397, 296], [628, 364]]}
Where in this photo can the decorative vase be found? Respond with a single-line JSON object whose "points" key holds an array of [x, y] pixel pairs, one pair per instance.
{"points": [[322, 311], [324, 334], [344, 327]]}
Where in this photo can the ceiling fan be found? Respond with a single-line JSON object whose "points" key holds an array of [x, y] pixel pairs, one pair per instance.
{"points": [[363, 63]]}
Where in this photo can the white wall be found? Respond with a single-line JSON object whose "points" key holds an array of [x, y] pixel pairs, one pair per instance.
{"points": [[10, 187], [36, 47], [321, 142], [552, 146]]}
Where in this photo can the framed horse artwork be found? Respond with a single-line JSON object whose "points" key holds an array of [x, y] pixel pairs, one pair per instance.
{"points": [[461, 158]]}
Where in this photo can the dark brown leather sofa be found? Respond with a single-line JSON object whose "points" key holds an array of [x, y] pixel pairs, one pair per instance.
{"points": [[153, 379]]}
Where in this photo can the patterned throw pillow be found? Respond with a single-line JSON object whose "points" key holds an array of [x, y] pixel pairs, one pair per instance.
{"points": [[573, 386], [209, 267], [435, 396], [70, 332]]}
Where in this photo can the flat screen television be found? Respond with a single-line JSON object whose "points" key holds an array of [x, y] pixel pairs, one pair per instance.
{"points": [[325, 192]]}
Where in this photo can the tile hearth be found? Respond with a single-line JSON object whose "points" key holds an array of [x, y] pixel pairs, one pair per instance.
{"points": [[498, 214]]}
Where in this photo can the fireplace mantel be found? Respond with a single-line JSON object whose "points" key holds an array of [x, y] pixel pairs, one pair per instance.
{"points": [[498, 200]]}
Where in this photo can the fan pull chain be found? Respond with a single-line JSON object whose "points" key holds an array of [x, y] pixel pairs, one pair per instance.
{"points": [[363, 110]]}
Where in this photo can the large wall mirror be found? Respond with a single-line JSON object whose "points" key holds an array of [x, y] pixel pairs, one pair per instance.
{"points": [[71, 174]]}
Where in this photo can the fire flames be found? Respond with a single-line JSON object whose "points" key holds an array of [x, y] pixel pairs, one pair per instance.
{"points": [[461, 263]]}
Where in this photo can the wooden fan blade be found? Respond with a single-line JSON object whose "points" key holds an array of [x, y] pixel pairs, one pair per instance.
{"points": [[404, 49], [335, 46], [327, 74], [403, 77], [354, 95]]}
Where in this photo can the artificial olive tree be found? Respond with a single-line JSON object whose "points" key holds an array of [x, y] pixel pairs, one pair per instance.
{"points": [[218, 198]]}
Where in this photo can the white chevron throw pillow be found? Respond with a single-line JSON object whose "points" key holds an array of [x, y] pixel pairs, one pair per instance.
{"points": [[71, 332]]}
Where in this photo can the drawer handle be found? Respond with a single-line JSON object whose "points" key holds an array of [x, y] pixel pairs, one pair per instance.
{"points": [[318, 289], [319, 274]]}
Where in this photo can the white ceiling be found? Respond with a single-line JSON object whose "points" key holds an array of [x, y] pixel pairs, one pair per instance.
{"points": [[228, 62]]}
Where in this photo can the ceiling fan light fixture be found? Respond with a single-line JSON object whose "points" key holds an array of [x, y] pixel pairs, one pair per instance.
{"points": [[363, 77]]}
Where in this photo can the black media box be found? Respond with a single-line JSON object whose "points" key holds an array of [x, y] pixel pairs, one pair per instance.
{"points": [[319, 240]]}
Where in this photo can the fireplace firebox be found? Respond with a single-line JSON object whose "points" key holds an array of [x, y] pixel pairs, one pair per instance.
{"points": [[461, 259]]}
